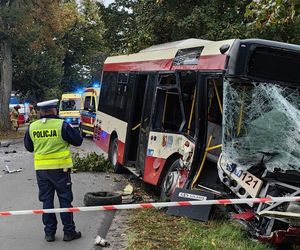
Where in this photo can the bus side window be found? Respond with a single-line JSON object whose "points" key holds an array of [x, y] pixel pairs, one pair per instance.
{"points": [[121, 95], [188, 82], [215, 97], [107, 94], [167, 115], [113, 95]]}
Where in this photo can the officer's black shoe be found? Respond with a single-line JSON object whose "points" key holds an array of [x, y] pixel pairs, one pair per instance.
{"points": [[50, 237], [74, 236]]}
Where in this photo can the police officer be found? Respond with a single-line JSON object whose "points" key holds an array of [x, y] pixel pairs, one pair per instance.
{"points": [[49, 138]]}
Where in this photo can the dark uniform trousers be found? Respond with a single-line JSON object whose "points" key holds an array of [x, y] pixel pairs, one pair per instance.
{"points": [[50, 181]]}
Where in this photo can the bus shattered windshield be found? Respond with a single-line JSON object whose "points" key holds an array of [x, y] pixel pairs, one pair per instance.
{"points": [[261, 125]]}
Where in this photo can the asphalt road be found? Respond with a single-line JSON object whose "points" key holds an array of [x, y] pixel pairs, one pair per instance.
{"points": [[19, 191]]}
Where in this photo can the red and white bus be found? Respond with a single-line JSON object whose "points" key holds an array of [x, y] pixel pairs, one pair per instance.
{"points": [[160, 110], [153, 105], [164, 112]]}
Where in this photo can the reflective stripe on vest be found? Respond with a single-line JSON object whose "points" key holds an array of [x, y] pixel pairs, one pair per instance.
{"points": [[50, 150]]}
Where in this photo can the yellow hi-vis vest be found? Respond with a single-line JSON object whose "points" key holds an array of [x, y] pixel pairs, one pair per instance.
{"points": [[50, 150]]}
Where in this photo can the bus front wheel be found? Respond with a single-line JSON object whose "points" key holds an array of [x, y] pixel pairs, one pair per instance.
{"points": [[171, 181], [113, 156]]}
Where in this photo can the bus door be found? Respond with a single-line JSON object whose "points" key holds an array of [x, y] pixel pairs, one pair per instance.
{"points": [[208, 145], [134, 125], [145, 120]]}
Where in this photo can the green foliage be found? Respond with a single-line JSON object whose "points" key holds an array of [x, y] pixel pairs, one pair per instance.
{"points": [[56, 44], [91, 163], [83, 43], [61, 45], [150, 22], [277, 20]]}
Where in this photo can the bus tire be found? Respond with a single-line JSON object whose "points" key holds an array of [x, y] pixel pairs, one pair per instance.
{"points": [[113, 157], [102, 198], [167, 185]]}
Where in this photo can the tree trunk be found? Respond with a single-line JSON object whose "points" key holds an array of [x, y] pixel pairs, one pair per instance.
{"points": [[5, 83]]}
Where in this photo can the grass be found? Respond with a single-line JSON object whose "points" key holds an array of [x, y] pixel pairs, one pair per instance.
{"points": [[153, 229]]}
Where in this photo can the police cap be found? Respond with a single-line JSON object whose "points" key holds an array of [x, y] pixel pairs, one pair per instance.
{"points": [[48, 104]]}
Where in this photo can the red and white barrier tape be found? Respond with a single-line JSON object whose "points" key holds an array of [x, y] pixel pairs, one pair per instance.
{"points": [[151, 205]]}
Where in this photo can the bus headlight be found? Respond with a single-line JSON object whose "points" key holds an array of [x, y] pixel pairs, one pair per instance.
{"points": [[187, 153]]}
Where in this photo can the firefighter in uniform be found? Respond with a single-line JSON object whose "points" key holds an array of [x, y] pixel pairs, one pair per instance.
{"points": [[32, 114], [50, 138], [14, 117]]}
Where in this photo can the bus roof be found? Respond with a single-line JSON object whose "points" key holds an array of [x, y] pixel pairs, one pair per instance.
{"points": [[161, 57]]}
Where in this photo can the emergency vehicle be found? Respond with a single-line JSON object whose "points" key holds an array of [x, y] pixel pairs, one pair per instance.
{"points": [[69, 108], [23, 110], [90, 99]]}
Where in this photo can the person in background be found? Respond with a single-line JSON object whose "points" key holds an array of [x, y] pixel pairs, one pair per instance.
{"points": [[32, 114], [14, 117], [49, 138]]}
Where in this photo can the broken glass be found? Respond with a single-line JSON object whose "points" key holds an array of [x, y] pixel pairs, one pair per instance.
{"points": [[261, 124]]}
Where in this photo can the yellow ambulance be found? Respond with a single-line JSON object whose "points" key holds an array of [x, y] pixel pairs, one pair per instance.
{"points": [[69, 108], [90, 99]]}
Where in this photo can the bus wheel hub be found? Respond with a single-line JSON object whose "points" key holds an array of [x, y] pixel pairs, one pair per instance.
{"points": [[171, 182]]}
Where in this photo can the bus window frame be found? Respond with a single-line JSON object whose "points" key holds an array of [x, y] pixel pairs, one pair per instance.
{"points": [[113, 110], [167, 87]]}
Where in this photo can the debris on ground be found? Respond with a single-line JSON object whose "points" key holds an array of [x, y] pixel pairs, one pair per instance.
{"points": [[128, 190], [116, 179], [5, 144], [9, 171], [99, 241], [10, 152], [117, 235]]}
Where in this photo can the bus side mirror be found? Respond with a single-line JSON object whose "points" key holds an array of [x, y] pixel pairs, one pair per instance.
{"points": [[224, 48]]}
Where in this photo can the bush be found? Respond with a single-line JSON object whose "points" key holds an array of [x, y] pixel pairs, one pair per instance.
{"points": [[91, 163]]}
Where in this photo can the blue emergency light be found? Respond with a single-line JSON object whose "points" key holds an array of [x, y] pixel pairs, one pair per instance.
{"points": [[79, 91], [68, 120]]}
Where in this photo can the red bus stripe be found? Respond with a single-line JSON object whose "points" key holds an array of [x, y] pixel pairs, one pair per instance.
{"points": [[74, 209], [38, 211], [154, 65], [207, 62], [5, 213], [109, 208], [146, 205], [184, 203]]}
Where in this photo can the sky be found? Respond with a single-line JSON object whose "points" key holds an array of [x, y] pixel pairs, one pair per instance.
{"points": [[107, 2]]}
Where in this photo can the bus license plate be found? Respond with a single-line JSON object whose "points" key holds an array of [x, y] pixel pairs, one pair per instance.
{"points": [[251, 183]]}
